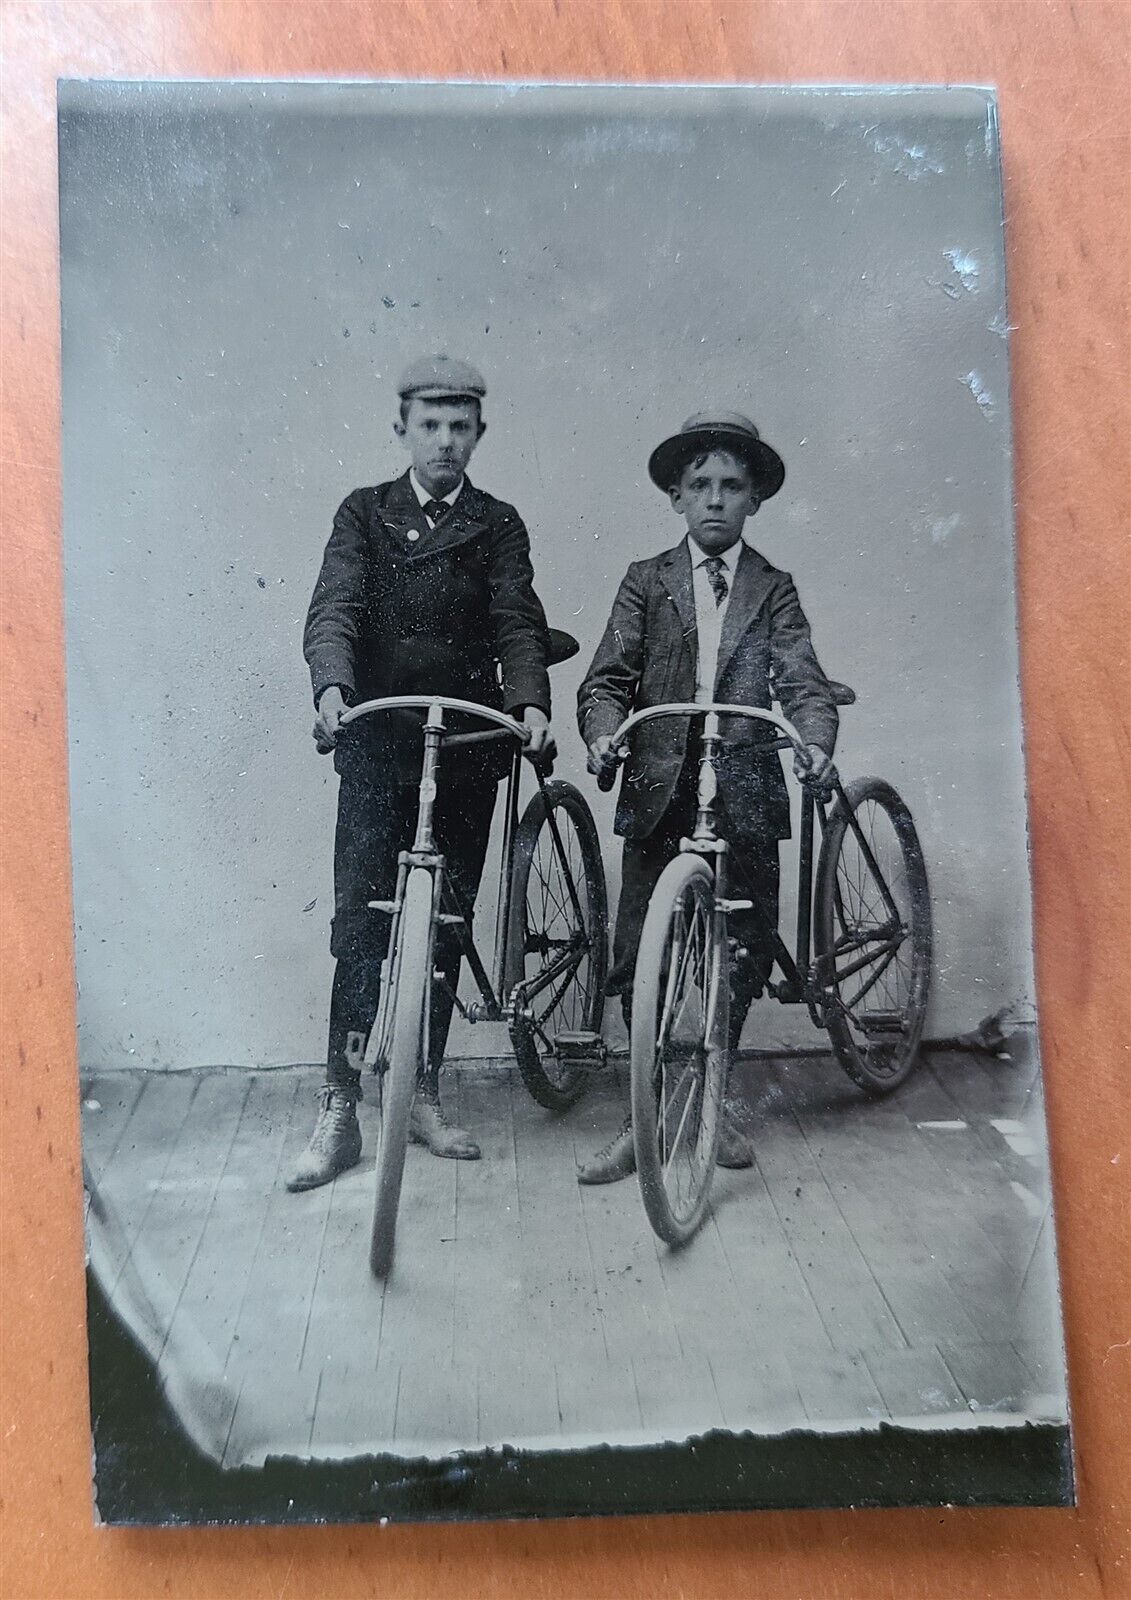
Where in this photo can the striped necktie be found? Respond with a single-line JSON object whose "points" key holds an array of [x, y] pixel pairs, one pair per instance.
{"points": [[719, 586]]}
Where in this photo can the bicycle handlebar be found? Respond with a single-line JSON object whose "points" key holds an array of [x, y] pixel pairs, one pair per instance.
{"points": [[425, 702], [791, 738]]}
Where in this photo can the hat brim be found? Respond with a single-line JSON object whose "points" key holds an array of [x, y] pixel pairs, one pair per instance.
{"points": [[667, 461], [436, 393]]}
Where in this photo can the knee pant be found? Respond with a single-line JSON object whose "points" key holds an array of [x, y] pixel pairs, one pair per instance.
{"points": [[376, 821]]}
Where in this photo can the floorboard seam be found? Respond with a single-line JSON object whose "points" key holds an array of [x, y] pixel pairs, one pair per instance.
{"points": [[148, 1206], [207, 1214], [271, 1195], [867, 1265]]}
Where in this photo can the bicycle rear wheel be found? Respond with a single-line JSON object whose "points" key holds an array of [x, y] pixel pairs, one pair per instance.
{"points": [[680, 1060], [559, 931], [409, 972], [872, 935]]}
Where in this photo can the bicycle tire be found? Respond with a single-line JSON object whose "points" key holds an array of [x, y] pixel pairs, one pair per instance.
{"points": [[876, 1047], [560, 1085], [410, 970], [656, 999]]}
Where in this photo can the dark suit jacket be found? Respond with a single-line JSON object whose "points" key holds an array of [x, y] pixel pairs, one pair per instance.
{"points": [[649, 654], [438, 615]]}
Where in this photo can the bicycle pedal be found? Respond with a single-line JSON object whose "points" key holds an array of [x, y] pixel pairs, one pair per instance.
{"points": [[587, 1047], [882, 1022]]}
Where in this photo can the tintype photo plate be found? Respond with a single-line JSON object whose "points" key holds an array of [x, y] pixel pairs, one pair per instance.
{"points": [[557, 1027]]}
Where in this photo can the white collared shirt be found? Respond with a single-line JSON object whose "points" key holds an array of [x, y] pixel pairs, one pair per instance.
{"points": [[424, 497], [709, 616]]}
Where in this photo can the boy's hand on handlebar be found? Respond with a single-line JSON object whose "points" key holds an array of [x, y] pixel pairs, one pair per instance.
{"points": [[816, 769], [603, 761], [327, 723], [540, 747]]}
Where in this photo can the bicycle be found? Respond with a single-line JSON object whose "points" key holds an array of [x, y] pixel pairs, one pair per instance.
{"points": [[867, 917], [550, 956]]}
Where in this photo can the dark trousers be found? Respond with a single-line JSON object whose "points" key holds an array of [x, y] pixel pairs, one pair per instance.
{"points": [[376, 821], [752, 874]]}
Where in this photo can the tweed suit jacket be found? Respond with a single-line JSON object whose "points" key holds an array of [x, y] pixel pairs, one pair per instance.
{"points": [[438, 614], [649, 654]]}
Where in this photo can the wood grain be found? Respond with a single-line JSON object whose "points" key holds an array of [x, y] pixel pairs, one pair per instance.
{"points": [[1062, 69], [845, 1267]]}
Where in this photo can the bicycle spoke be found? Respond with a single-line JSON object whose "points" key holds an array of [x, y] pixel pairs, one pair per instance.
{"points": [[874, 936], [667, 1021], [693, 943], [850, 1005], [556, 997], [687, 1105], [668, 1102], [682, 1101], [548, 893], [556, 923]]}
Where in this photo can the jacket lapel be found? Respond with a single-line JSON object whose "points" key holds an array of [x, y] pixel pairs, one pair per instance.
{"points": [[675, 576], [402, 511], [752, 584], [466, 520]]}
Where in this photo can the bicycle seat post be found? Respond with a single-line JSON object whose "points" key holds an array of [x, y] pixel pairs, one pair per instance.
{"points": [[705, 832], [425, 841]]}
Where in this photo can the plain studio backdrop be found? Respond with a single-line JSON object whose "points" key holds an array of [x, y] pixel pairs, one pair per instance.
{"points": [[247, 268]]}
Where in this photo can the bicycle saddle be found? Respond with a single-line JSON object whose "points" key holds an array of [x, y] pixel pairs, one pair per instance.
{"points": [[563, 646], [842, 694]]}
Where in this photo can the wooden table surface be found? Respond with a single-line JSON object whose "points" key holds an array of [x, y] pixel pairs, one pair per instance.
{"points": [[1062, 70]]}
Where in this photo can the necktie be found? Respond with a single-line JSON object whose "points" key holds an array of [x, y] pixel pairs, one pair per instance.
{"points": [[719, 588], [436, 511]]}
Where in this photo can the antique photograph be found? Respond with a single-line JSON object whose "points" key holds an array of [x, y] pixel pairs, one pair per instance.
{"points": [[557, 1029]]}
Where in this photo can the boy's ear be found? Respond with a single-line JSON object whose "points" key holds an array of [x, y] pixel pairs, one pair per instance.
{"points": [[675, 495], [399, 428]]}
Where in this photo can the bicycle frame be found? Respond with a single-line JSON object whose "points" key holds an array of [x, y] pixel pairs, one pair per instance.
{"points": [[447, 904], [802, 982]]}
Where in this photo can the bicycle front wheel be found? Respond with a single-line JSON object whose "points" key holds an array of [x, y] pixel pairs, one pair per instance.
{"points": [[872, 935], [680, 1010], [409, 972]]}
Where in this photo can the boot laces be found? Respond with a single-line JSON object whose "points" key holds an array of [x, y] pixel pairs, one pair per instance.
{"points": [[336, 1114], [606, 1150], [431, 1097]]}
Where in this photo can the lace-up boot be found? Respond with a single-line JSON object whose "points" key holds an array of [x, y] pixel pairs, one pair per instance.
{"points": [[735, 1147], [430, 1127], [335, 1144], [613, 1161]]}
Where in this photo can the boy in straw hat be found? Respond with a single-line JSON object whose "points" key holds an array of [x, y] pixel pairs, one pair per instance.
{"points": [[709, 619]]}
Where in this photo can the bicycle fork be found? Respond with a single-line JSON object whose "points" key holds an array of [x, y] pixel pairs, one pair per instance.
{"points": [[705, 842], [425, 856]]}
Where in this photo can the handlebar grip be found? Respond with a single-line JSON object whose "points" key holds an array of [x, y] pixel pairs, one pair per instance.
{"points": [[606, 778], [480, 736]]}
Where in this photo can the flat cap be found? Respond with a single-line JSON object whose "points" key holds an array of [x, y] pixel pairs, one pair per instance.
{"points": [[441, 377]]}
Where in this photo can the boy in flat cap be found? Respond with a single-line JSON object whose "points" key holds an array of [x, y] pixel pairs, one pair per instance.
{"points": [[426, 587], [710, 619]]}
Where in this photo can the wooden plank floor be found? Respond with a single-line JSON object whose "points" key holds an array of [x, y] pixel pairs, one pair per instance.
{"points": [[883, 1260]]}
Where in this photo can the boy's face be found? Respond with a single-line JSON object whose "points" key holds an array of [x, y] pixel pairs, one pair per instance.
{"points": [[440, 435], [715, 495]]}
